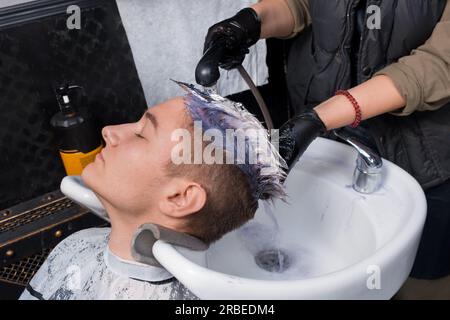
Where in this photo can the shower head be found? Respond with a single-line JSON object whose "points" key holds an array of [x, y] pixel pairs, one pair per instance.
{"points": [[207, 71]]}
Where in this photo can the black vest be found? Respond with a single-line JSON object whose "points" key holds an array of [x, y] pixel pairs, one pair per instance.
{"points": [[322, 60]]}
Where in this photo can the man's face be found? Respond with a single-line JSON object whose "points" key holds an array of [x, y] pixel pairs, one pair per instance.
{"points": [[130, 173]]}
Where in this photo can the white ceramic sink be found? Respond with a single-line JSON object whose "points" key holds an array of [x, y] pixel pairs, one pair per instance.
{"points": [[339, 244]]}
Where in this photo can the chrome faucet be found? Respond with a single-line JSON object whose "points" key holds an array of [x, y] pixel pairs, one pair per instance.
{"points": [[367, 177]]}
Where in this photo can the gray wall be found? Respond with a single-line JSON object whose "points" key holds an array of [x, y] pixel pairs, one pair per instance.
{"points": [[166, 38]]}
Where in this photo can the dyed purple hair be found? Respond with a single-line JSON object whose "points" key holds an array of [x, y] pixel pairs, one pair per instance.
{"points": [[266, 174]]}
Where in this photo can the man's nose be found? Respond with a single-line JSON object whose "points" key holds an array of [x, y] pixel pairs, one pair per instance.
{"points": [[110, 135]]}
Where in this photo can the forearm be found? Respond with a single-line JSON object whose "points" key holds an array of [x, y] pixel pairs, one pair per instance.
{"points": [[276, 18], [375, 96], [423, 77]]}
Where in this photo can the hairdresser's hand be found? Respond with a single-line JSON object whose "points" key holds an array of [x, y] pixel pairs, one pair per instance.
{"points": [[297, 134], [235, 35]]}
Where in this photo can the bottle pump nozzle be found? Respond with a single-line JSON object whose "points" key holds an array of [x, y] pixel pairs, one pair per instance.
{"points": [[62, 95]]}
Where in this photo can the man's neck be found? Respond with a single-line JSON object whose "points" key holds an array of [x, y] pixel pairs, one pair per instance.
{"points": [[120, 240], [123, 227]]}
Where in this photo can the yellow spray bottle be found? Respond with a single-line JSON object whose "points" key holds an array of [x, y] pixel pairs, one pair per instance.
{"points": [[79, 141]]}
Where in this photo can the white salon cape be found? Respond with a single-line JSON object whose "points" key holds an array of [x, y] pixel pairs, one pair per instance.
{"points": [[82, 267]]}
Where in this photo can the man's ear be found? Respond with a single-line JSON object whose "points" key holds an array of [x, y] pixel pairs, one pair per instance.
{"points": [[183, 198]]}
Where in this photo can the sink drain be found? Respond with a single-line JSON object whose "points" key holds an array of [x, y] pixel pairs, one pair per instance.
{"points": [[273, 260]]}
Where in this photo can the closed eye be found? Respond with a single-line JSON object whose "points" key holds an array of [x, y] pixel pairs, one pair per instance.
{"points": [[139, 136]]}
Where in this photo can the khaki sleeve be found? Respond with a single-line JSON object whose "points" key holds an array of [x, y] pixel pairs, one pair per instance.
{"points": [[302, 17], [423, 77]]}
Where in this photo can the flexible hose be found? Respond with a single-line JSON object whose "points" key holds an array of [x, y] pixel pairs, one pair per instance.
{"points": [[258, 97]]}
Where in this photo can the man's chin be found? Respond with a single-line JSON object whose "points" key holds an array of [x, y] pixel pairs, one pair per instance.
{"points": [[88, 175], [92, 180]]}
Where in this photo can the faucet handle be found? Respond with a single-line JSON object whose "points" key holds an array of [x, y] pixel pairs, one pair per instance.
{"points": [[367, 177]]}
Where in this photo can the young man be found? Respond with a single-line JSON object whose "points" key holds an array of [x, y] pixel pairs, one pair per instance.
{"points": [[138, 182]]}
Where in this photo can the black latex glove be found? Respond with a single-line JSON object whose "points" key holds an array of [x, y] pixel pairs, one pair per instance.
{"points": [[235, 35], [297, 134]]}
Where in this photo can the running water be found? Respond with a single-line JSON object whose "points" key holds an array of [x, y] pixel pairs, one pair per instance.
{"points": [[268, 209], [211, 90], [262, 240]]}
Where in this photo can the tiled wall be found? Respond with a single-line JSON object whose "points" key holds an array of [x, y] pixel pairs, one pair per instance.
{"points": [[38, 55]]}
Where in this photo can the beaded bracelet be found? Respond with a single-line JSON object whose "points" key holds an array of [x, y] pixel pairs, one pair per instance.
{"points": [[355, 104]]}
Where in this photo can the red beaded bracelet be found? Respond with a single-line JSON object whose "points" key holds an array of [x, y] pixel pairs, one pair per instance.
{"points": [[355, 104]]}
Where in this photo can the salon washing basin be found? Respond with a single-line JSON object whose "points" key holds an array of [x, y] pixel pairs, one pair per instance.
{"points": [[331, 241]]}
